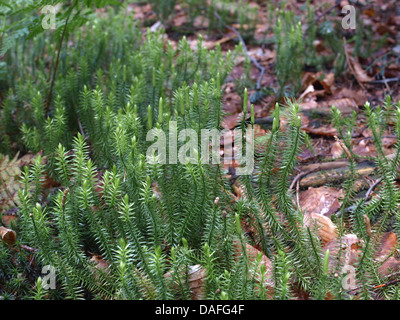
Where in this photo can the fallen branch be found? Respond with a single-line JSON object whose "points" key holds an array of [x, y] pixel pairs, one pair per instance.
{"points": [[385, 81], [325, 165], [336, 175]]}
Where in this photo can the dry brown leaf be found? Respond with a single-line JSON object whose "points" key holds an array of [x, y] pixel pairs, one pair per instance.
{"points": [[142, 12], [201, 22], [359, 96], [238, 190], [389, 266], [326, 229], [367, 225], [364, 148], [232, 103], [327, 131], [312, 83], [230, 121], [388, 244], [336, 150], [100, 263], [262, 55], [252, 254], [309, 78], [389, 142], [359, 72], [196, 280], [349, 248], [268, 283], [328, 82], [343, 146], [346, 251], [345, 105], [307, 91], [8, 220], [10, 183], [180, 20], [322, 200]]}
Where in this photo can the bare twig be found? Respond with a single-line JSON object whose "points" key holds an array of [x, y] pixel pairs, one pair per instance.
{"points": [[386, 284], [299, 176], [298, 194], [49, 97], [325, 165], [344, 148], [81, 129], [27, 248], [356, 291], [254, 61], [368, 194], [327, 11], [385, 81], [336, 175]]}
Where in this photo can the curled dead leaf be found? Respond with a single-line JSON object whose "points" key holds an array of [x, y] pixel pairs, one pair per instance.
{"points": [[326, 229], [8, 236], [252, 255], [389, 266], [387, 245], [359, 72], [100, 263]]}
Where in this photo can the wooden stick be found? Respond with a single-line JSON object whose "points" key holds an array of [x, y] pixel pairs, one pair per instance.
{"points": [[299, 176], [335, 175], [325, 165]]}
